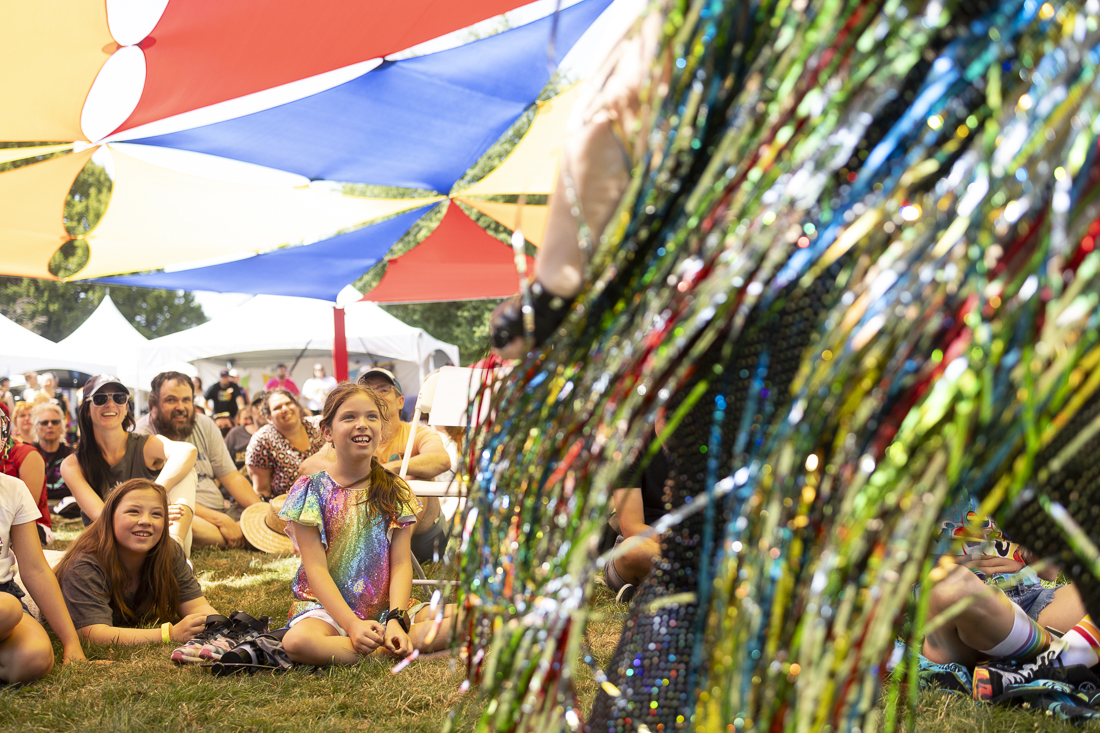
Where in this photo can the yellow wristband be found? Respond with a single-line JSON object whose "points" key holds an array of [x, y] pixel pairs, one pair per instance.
{"points": [[165, 632]]}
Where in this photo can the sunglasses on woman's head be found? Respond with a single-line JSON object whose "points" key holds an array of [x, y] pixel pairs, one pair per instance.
{"points": [[99, 400]]}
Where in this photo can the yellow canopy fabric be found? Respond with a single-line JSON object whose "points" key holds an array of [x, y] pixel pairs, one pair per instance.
{"points": [[533, 164], [32, 205], [7, 155], [532, 219], [159, 217], [50, 56]]}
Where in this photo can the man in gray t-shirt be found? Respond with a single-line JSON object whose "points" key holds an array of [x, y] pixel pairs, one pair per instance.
{"points": [[173, 415]]}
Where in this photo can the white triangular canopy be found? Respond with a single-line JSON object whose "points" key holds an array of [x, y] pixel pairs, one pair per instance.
{"points": [[108, 337], [22, 350], [268, 329]]}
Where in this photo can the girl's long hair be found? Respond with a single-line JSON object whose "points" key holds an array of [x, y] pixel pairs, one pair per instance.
{"points": [[387, 490], [158, 592], [88, 455]]}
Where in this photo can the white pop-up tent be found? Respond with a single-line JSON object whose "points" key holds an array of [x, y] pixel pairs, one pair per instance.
{"points": [[22, 350], [299, 332], [107, 337]]}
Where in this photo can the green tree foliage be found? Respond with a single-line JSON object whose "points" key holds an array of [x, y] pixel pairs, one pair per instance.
{"points": [[464, 323], [55, 309]]}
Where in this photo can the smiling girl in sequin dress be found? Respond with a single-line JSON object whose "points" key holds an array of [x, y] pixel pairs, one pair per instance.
{"points": [[352, 525]]}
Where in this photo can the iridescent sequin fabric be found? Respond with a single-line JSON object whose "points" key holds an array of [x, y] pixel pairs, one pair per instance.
{"points": [[356, 540]]}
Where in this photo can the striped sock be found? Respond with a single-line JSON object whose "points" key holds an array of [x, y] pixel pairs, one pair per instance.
{"points": [[1082, 644], [1026, 641]]}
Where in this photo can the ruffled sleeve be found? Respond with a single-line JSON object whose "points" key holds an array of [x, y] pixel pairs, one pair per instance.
{"points": [[303, 505], [406, 514]]}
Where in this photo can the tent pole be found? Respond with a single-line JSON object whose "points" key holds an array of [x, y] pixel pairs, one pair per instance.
{"points": [[339, 346]]}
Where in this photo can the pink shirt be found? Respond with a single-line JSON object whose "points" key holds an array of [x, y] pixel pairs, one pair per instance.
{"points": [[287, 384]]}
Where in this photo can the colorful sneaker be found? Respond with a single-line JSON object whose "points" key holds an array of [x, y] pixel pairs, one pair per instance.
{"points": [[189, 652], [993, 681], [242, 627]]}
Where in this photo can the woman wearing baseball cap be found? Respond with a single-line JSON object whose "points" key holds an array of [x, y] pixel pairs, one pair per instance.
{"points": [[109, 454]]}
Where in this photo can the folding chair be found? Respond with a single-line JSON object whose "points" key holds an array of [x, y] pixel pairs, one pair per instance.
{"points": [[452, 411]]}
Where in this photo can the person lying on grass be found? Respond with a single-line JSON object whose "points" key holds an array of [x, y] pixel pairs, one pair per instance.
{"points": [[996, 615], [123, 573], [352, 524], [26, 653]]}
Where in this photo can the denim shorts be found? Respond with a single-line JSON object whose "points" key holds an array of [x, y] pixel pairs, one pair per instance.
{"points": [[13, 588], [1032, 598]]}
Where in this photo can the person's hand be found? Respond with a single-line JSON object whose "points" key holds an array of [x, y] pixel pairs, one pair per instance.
{"points": [[397, 641], [188, 627], [231, 531], [365, 636], [73, 653], [993, 565], [175, 513]]}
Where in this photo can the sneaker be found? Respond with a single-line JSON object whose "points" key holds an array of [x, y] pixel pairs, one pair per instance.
{"points": [[241, 627], [264, 652], [189, 652], [626, 593], [992, 681]]}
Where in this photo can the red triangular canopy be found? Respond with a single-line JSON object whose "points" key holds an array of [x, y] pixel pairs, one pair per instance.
{"points": [[208, 51], [457, 261]]}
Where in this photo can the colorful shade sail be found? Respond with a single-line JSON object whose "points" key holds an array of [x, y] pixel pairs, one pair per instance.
{"points": [[207, 51], [32, 204], [50, 56], [418, 123], [530, 220], [159, 217], [457, 261], [318, 270], [7, 155], [532, 166]]}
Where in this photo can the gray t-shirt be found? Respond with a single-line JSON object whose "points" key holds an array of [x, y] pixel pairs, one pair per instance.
{"points": [[213, 460], [88, 594], [131, 466]]}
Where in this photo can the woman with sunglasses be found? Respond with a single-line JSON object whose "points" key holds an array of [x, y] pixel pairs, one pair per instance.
{"points": [[108, 454], [49, 425]]}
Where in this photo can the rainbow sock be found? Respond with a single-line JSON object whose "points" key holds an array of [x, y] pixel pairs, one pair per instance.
{"points": [[1024, 642], [1082, 644]]}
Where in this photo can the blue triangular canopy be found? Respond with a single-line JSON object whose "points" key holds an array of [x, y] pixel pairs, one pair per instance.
{"points": [[416, 123], [318, 270]]}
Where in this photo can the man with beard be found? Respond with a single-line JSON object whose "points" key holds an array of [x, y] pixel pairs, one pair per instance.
{"points": [[172, 415]]}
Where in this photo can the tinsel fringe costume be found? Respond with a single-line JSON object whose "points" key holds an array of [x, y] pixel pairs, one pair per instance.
{"points": [[856, 265]]}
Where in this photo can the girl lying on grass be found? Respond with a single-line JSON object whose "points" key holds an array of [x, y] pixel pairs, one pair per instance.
{"points": [[26, 653], [123, 572], [352, 525]]}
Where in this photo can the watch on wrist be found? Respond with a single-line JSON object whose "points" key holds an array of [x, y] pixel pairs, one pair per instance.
{"points": [[398, 614]]}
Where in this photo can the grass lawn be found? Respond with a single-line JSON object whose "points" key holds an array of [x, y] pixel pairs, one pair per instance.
{"points": [[140, 689]]}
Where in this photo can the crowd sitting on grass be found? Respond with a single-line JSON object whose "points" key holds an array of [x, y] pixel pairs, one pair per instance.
{"points": [[327, 485]]}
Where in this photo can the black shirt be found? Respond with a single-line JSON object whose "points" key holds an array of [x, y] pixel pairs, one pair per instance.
{"points": [[224, 399], [655, 482]]}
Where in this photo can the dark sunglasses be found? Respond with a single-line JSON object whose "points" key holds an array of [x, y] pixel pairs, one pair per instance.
{"points": [[99, 400], [49, 422]]}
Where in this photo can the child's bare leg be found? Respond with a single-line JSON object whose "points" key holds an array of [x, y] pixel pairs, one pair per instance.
{"points": [[313, 641], [1065, 611], [25, 650], [423, 624], [985, 621]]}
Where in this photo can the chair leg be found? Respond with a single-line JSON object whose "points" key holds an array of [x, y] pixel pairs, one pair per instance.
{"points": [[417, 570]]}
